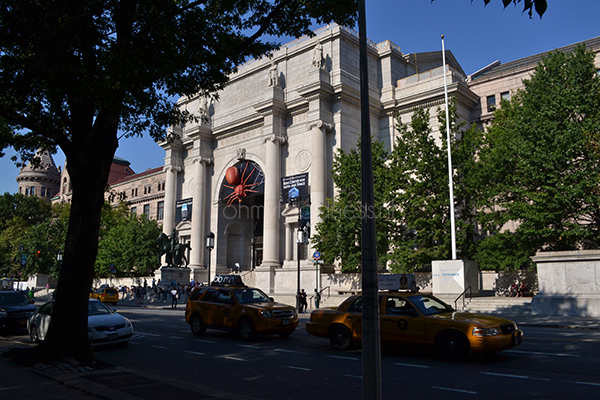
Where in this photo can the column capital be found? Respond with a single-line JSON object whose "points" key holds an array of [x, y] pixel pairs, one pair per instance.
{"points": [[321, 125], [275, 139], [169, 168], [203, 160]]}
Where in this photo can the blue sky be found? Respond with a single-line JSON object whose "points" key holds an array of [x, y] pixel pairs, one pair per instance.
{"points": [[476, 35]]}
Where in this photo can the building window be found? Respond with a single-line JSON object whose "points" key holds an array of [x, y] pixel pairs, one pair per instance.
{"points": [[49, 192], [147, 210], [161, 185], [27, 191], [147, 189], [491, 103], [20, 190], [505, 96], [43, 192], [32, 191], [160, 210], [133, 211]]}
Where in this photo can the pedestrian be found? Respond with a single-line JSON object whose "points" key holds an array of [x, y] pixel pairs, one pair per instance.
{"points": [[237, 267], [174, 297], [317, 298], [303, 302]]}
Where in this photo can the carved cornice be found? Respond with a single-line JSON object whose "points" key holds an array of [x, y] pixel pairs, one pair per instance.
{"points": [[275, 139], [321, 125], [169, 168], [203, 160], [414, 107]]}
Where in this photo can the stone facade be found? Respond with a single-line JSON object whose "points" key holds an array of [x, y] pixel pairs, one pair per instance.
{"points": [[42, 180]]}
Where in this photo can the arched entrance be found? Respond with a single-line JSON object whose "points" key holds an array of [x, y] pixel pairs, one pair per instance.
{"points": [[241, 214]]}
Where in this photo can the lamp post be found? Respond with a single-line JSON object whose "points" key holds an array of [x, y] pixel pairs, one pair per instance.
{"points": [[210, 244], [299, 241]]}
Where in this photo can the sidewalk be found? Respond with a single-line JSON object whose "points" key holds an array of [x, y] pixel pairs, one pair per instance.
{"points": [[70, 380]]}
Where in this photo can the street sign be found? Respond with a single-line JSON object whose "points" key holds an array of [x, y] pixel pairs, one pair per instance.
{"points": [[316, 255]]}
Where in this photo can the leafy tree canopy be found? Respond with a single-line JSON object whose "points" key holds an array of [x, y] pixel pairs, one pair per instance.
{"points": [[538, 165]]}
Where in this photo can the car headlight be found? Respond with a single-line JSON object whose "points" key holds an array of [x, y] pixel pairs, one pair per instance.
{"points": [[127, 323], [266, 313], [485, 332]]}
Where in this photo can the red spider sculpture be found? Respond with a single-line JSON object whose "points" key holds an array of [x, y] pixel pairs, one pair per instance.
{"points": [[239, 183]]}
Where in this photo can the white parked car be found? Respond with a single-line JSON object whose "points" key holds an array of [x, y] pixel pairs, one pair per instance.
{"points": [[104, 325]]}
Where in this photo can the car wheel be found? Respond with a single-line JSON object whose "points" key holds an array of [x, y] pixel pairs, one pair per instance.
{"points": [[246, 329], [453, 345], [340, 337], [34, 334], [197, 325]]}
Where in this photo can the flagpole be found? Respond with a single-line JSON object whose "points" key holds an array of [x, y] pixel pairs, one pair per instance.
{"points": [[450, 184]]}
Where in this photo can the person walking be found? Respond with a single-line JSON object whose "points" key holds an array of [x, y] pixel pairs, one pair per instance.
{"points": [[303, 302], [174, 297], [317, 298]]}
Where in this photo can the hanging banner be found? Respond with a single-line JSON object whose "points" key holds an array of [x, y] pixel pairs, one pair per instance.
{"points": [[294, 188], [183, 210]]}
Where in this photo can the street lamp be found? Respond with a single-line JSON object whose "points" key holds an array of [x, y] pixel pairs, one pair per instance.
{"points": [[299, 241], [59, 256], [210, 244]]}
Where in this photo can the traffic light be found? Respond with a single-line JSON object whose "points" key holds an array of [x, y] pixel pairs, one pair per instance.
{"points": [[37, 254]]}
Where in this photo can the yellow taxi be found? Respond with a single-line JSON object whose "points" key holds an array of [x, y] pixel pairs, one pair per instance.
{"points": [[228, 304], [106, 295], [415, 319]]}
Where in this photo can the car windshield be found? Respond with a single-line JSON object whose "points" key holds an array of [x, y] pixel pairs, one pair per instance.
{"points": [[97, 308], [429, 305], [245, 296], [14, 299]]}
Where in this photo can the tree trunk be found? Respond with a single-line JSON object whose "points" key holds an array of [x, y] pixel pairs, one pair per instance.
{"points": [[89, 166]]}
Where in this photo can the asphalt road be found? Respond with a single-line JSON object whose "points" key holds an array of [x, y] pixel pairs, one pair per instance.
{"points": [[550, 364]]}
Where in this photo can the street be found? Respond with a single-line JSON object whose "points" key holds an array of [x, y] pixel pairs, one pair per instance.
{"points": [[551, 363]]}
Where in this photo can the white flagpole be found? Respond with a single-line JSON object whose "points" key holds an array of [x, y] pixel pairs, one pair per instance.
{"points": [[452, 225]]}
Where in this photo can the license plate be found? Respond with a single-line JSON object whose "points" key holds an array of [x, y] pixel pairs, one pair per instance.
{"points": [[285, 321], [113, 336]]}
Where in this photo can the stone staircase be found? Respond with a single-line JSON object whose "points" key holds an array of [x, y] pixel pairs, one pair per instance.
{"points": [[494, 305]]}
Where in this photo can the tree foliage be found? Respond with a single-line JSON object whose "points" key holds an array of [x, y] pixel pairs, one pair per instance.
{"points": [[338, 236], [128, 242], [538, 165]]}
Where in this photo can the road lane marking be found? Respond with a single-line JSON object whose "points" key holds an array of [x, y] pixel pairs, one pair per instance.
{"points": [[248, 346], [454, 390], [205, 341], [515, 376], [160, 347], [194, 352], [234, 358], [289, 351], [539, 353], [174, 337], [588, 383], [299, 368], [412, 365], [353, 376], [344, 358]]}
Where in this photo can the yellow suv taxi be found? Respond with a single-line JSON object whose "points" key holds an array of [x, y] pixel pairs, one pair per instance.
{"points": [[106, 295], [228, 304]]}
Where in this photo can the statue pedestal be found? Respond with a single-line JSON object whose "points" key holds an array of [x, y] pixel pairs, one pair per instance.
{"points": [[169, 274], [452, 277]]}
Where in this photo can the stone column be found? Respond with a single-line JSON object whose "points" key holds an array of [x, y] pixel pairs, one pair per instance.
{"points": [[170, 197], [198, 214], [272, 209], [289, 245], [318, 171]]}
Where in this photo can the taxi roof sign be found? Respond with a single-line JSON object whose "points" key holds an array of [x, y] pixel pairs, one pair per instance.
{"points": [[227, 280]]}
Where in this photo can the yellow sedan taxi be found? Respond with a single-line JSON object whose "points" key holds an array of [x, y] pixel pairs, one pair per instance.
{"points": [[106, 295], [415, 319]]}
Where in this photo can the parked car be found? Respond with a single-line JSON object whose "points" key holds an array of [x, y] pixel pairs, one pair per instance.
{"points": [[105, 326], [106, 295], [15, 309], [415, 319], [228, 304]]}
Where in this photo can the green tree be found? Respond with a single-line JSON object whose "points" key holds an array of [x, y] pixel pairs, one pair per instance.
{"points": [[129, 243], [538, 167], [338, 236], [31, 209], [419, 165], [75, 73]]}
